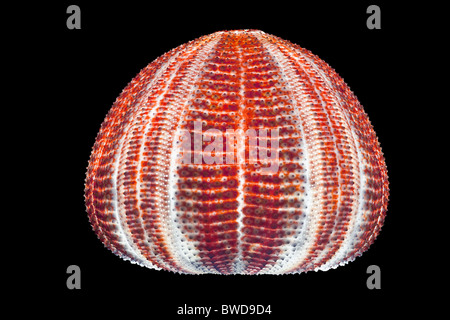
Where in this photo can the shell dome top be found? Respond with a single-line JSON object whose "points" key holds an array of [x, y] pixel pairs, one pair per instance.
{"points": [[237, 153]]}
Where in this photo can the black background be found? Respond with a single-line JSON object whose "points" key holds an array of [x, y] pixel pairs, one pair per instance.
{"points": [[83, 71]]}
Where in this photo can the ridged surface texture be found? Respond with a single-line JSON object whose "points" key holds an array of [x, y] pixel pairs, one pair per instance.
{"points": [[154, 196]]}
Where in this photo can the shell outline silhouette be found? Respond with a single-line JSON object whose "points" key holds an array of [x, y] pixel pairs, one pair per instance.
{"points": [[323, 206]]}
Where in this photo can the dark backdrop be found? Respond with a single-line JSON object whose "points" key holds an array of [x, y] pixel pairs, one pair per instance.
{"points": [[83, 71]]}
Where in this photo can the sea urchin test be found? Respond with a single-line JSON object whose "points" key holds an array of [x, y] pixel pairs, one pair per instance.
{"points": [[237, 153]]}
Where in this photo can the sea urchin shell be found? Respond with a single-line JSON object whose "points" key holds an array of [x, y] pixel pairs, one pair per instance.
{"points": [[180, 176]]}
